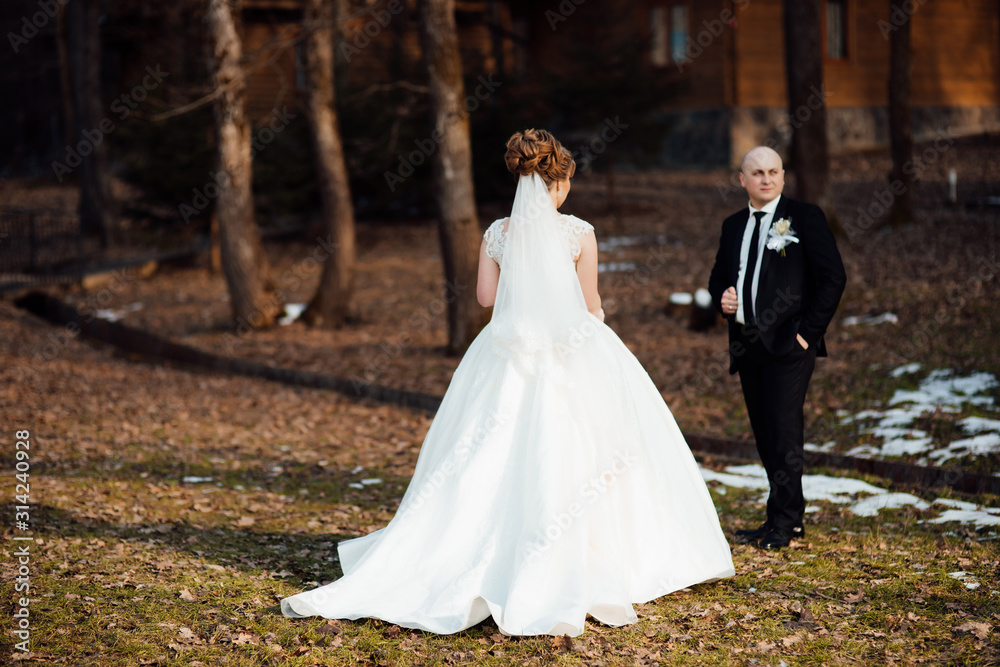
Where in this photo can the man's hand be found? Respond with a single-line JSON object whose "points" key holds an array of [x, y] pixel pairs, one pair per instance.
{"points": [[802, 341], [730, 301]]}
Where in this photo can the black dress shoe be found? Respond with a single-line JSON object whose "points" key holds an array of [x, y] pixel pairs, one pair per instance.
{"points": [[748, 536], [775, 539]]}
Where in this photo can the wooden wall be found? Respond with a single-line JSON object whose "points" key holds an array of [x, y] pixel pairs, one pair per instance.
{"points": [[956, 45], [759, 55], [956, 55], [272, 81], [706, 71]]}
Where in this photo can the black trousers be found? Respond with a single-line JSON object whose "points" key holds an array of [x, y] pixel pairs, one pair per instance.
{"points": [[775, 391]]}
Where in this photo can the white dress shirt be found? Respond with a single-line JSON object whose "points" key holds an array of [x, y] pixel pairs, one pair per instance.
{"points": [[765, 225]]}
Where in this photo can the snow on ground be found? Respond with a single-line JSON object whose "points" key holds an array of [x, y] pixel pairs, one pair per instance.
{"points": [[848, 491], [942, 391]]}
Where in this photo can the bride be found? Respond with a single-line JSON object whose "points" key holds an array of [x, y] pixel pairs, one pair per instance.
{"points": [[553, 482]]}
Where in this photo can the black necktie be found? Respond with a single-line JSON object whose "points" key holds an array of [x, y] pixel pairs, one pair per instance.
{"points": [[748, 315]]}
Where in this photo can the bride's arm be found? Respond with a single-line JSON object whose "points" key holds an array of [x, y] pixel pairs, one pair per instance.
{"points": [[586, 271], [489, 276]]}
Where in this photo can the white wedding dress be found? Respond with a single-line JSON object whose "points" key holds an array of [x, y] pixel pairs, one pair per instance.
{"points": [[553, 482]]}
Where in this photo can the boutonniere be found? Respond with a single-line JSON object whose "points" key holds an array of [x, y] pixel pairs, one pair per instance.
{"points": [[780, 235]]}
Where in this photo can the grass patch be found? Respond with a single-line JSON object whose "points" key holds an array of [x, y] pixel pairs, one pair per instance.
{"points": [[134, 572]]}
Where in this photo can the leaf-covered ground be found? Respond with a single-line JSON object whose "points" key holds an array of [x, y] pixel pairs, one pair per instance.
{"points": [[133, 565], [171, 509]]}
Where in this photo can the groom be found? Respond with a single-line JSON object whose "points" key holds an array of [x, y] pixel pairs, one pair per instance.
{"points": [[778, 279]]}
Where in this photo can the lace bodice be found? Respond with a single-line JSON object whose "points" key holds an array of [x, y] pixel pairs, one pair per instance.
{"points": [[573, 227]]}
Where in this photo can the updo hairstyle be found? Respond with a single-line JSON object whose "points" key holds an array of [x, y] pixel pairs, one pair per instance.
{"points": [[538, 151]]}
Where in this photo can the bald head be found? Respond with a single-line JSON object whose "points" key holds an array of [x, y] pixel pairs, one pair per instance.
{"points": [[761, 156], [762, 174]]}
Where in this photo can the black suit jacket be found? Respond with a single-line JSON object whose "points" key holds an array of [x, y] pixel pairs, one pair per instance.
{"points": [[797, 293]]}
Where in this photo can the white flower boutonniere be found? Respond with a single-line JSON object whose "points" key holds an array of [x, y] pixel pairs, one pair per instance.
{"points": [[780, 235]]}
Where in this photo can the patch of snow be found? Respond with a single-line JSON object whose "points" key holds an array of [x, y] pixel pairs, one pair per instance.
{"points": [[813, 447], [940, 391], [737, 481], [903, 370], [845, 491], [750, 470], [942, 388], [112, 315], [966, 512], [292, 312], [835, 489], [960, 504], [191, 479], [864, 451], [903, 416], [977, 518], [975, 446], [901, 446], [681, 298], [864, 414], [966, 578], [870, 506], [870, 320], [703, 298], [371, 480], [895, 432], [973, 425]]}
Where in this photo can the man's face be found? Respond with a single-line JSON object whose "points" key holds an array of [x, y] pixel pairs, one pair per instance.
{"points": [[763, 177]]}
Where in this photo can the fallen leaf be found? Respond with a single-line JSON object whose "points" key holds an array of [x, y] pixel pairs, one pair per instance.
{"points": [[980, 630], [329, 629], [187, 635]]}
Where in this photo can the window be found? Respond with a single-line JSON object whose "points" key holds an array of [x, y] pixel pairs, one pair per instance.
{"points": [[678, 33], [668, 34], [836, 29], [658, 53]]}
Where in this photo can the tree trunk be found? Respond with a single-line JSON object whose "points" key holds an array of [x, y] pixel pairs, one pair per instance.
{"points": [[459, 225], [331, 305], [243, 260], [900, 123], [65, 77], [497, 37], [214, 249], [810, 154], [98, 209]]}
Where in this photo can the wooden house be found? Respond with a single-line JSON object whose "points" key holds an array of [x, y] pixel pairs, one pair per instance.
{"points": [[730, 53], [726, 57], [721, 62]]}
